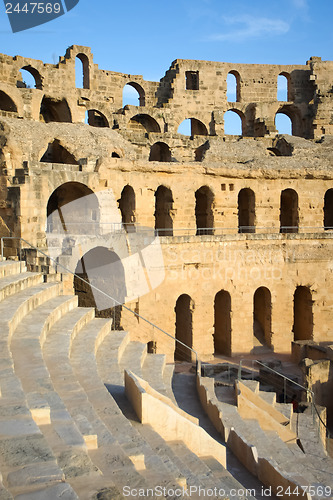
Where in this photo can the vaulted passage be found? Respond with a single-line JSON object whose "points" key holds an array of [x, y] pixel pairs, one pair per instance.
{"points": [[56, 153], [246, 211], [54, 110], [95, 118], [6, 103], [184, 327], [222, 323], [160, 152], [127, 207], [289, 211], [262, 316], [303, 314], [144, 123], [29, 77], [103, 269], [328, 210], [192, 126], [133, 94], [163, 211], [204, 216]]}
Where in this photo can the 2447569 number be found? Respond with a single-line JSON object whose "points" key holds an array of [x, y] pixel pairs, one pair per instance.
{"points": [[33, 8]]}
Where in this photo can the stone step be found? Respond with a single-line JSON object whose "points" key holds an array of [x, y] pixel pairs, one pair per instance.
{"points": [[152, 371], [167, 377], [133, 358], [10, 267], [269, 397], [14, 283]]}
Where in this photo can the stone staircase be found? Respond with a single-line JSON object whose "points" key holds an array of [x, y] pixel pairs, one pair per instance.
{"points": [[67, 430]]}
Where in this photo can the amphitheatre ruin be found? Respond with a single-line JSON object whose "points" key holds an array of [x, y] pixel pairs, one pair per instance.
{"points": [[165, 299]]}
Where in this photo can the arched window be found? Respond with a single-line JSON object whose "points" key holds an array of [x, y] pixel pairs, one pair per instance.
{"points": [[289, 211], [192, 126], [6, 103], [144, 123], [103, 269], [163, 211], [160, 152], [184, 327], [134, 95], [283, 87], [82, 72], [283, 123], [246, 211], [127, 207], [29, 78], [303, 315], [328, 210], [262, 316], [233, 122], [204, 216], [233, 87], [56, 153], [222, 323], [95, 118], [54, 110]]}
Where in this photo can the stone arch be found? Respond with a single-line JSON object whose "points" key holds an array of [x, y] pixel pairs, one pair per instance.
{"points": [[246, 211], [164, 211], [328, 210], [103, 269], [141, 95], [293, 114], [233, 125], [289, 217], [7, 103], [222, 323], [284, 87], [79, 214], [54, 110], [82, 71], [34, 74], [144, 123], [197, 127], [204, 215], [56, 153], [127, 206], [184, 327], [303, 314], [95, 118], [160, 151], [233, 86], [262, 316]]}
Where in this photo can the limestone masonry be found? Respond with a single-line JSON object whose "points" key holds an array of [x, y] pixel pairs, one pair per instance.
{"points": [[245, 222]]}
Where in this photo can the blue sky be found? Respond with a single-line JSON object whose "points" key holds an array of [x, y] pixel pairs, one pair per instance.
{"points": [[145, 37]]}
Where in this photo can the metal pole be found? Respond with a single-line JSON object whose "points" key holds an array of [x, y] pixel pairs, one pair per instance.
{"points": [[240, 370], [285, 390]]}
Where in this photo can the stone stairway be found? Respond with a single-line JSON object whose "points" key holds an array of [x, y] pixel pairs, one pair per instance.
{"points": [[196, 472]]}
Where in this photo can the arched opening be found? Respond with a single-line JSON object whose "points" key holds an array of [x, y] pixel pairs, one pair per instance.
{"points": [[233, 122], [233, 87], [283, 123], [6, 103], [246, 211], [192, 126], [160, 152], [303, 314], [163, 211], [29, 78], [283, 87], [54, 110], [127, 207], [75, 218], [133, 95], [328, 210], [103, 269], [289, 211], [56, 153], [262, 316], [184, 327], [82, 72], [95, 118], [222, 323], [204, 215], [144, 123]]}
